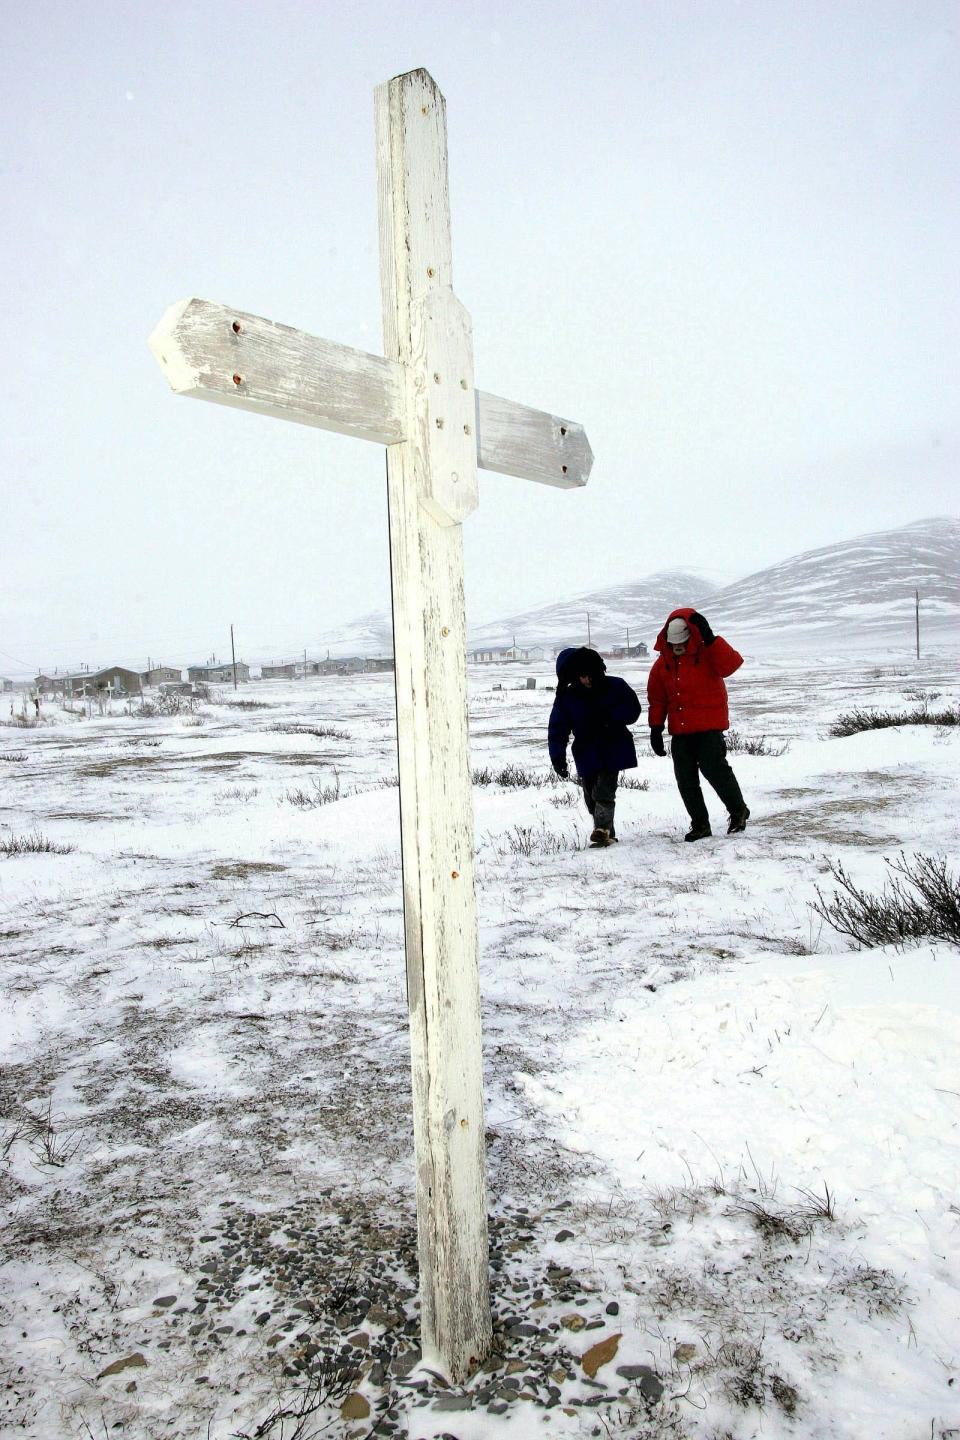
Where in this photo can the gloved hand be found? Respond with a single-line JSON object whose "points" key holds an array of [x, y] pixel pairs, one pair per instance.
{"points": [[561, 768], [706, 634], [656, 740]]}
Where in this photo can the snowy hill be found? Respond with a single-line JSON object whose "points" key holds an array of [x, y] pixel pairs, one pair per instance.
{"points": [[370, 634], [857, 594], [638, 607], [854, 595]]}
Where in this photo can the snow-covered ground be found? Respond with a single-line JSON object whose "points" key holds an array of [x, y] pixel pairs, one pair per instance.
{"points": [[724, 1146]]}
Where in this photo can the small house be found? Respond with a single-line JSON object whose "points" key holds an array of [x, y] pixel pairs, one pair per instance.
{"points": [[112, 680], [161, 675], [219, 674]]}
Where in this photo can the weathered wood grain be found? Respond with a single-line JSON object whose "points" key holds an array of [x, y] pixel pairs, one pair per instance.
{"points": [[213, 352], [436, 804], [232, 358], [532, 444]]}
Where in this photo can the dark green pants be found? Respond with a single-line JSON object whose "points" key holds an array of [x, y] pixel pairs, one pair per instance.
{"points": [[600, 794], [704, 754]]}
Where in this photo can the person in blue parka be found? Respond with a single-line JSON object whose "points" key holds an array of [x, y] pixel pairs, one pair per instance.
{"points": [[596, 708]]}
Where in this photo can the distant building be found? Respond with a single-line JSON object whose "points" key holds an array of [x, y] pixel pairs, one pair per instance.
{"points": [[219, 674], [380, 663], [343, 665], [161, 675], [280, 672], [113, 680], [5, 684], [504, 655]]}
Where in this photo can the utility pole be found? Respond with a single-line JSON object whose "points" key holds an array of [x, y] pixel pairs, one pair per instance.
{"points": [[628, 639], [233, 654], [588, 629], [917, 599]]}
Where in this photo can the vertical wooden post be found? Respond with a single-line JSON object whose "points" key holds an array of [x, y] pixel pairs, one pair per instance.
{"points": [[431, 483], [917, 600]]}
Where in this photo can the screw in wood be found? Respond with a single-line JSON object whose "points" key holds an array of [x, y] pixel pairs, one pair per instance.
{"points": [[463, 385], [236, 327], [446, 631], [430, 272], [466, 429], [439, 422], [238, 379], [455, 875], [436, 378], [463, 1124]]}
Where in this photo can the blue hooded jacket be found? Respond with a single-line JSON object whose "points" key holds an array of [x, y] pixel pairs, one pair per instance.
{"points": [[598, 717]]}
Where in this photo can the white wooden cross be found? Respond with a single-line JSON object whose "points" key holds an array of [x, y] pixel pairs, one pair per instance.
{"points": [[419, 401]]}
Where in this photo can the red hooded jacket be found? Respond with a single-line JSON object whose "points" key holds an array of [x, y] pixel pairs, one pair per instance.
{"points": [[688, 690]]}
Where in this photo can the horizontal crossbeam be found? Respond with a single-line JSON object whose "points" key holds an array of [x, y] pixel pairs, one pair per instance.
{"points": [[214, 353]]}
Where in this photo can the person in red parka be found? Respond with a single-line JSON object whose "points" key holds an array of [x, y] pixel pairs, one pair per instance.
{"points": [[685, 688]]}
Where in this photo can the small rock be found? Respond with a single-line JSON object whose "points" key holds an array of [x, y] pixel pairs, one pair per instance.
{"points": [[355, 1407], [572, 1322], [498, 1407], [600, 1354], [650, 1387], [360, 1340], [165, 1300], [559, 1375], [562, 1235], [522, 1331], [684, 1353], [404, 1363], [453, 1402], [130, 1362], [516, 1367], [613, 1308]]}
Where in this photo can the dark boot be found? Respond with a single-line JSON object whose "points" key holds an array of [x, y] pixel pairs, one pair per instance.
{"points": [[698, 832], [738, 821]]}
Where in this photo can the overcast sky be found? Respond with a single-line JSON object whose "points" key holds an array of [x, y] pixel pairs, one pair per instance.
{"points": [[722, 235]]}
